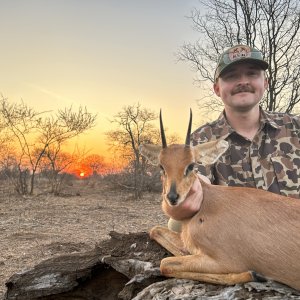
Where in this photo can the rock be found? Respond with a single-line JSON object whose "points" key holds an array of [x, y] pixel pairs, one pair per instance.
{"points": [[125, 267], [181, 289]]}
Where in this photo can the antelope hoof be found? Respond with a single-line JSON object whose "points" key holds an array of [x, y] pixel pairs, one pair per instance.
{"points": [[258, 277]]}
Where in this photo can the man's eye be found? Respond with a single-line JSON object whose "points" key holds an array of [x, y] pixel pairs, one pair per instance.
{"points": [[253, 73], [229, 76]]}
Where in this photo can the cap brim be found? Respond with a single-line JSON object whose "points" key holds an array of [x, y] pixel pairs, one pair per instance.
{"points": [[264, 65]]}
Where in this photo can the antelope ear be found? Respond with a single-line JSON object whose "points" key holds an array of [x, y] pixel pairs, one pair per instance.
{"points": [[208, 153], [151, 152]]}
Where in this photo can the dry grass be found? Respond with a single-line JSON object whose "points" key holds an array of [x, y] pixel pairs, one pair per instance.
{"points": [[39, 227]]}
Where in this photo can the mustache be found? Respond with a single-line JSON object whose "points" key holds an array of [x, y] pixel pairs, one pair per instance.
{"points": [[243, 89]]}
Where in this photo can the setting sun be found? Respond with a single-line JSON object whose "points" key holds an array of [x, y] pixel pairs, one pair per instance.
{"points": [[81, 174]]}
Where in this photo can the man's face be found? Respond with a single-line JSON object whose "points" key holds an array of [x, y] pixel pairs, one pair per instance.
{"points": [[241, 86]]}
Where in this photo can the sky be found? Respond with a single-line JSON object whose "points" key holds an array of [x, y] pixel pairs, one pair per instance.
{"points": [[102, 54]]}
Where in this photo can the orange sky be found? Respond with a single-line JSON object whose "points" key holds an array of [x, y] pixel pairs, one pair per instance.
{"points": [[99, 54]]}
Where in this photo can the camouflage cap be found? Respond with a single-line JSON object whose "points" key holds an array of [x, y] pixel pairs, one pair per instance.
{"points": [[238, 54]]}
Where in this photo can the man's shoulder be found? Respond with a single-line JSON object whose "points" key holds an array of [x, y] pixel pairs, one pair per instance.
{"points": [[208, 126], [283, 118], [209, 131]]}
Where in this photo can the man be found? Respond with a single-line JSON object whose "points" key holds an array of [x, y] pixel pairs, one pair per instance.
{"points": [[264, 147]]}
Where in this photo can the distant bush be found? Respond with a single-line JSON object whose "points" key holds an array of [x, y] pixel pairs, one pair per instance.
{"points": [[125, 181]]}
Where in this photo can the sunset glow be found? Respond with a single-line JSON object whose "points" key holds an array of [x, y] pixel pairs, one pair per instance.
{"points": [[119, 54]]}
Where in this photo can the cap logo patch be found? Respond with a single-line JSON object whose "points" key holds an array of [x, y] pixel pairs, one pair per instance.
{"points": [[239, 52]]}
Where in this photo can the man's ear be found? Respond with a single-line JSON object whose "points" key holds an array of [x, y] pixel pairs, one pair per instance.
{"points": [[266, 83], [151, 152], [208, 153], [217, 88]]}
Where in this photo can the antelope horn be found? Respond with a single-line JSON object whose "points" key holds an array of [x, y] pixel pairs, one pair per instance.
{"points": [[188, 135], [162, 132]]}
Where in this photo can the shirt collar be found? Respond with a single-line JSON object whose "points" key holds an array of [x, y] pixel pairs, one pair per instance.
{"points": [[265, 118], [268, 118]]}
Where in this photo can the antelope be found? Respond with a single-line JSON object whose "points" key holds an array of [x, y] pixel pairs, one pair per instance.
{"points": [[238, 235]]}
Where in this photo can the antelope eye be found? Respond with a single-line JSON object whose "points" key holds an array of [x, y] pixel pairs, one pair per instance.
{"points": [[162, 170], [189, 168]]}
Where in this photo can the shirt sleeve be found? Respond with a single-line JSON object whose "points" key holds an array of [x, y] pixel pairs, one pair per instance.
{"points": [[201, 136]]}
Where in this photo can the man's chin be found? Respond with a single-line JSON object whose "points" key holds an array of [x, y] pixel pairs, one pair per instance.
{"points": [[244, 105]]}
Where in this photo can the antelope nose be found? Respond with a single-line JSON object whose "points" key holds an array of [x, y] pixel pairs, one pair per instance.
{"points": [[173, 197]]}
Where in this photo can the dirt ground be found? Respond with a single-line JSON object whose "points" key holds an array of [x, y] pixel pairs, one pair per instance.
{"points": [[42, 226]]}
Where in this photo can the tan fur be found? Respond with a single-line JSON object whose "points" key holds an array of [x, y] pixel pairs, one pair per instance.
{"points": [[236, 230]]}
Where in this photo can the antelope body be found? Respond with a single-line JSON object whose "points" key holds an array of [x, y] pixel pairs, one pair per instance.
{"points": [[237, 234]]}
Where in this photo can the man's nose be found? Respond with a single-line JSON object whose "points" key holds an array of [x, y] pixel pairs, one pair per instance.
{"points": [[243, 79]]}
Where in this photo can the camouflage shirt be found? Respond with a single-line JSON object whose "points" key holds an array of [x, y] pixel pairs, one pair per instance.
{"points": [[271, 161]]}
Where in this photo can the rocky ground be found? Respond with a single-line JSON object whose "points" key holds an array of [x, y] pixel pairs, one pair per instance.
{"points": [[35, 228]]}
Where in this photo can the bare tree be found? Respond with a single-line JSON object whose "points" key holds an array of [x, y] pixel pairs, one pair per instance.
{"points": [[134, 127], [35, 132], [269, 25], [7, 158], [54, 165], [95, 162], [5, 135], [21, 121], [55, 131]]}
